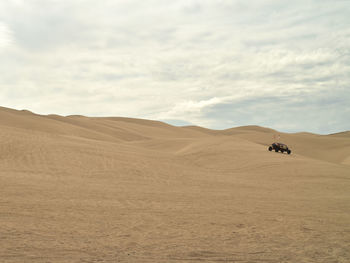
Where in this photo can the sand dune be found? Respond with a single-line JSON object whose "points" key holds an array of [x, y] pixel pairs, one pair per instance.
{"points": [[79, 189]]}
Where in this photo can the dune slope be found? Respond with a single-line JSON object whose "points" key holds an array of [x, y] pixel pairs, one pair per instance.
{"points": [[79, 189]]}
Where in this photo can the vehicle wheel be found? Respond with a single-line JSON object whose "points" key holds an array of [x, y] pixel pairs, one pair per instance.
{"points": [[282, 151], [289, 151], [276, 150], [270, 148]]}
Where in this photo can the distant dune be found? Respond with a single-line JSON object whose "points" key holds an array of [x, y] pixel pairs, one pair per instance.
{"points": [[83, 189]]}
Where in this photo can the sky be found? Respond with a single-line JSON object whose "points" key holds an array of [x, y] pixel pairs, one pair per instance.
{"points": [[214, 63]]}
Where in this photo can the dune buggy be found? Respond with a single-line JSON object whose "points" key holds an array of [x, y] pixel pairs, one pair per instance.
{"points": [[279, 147]]}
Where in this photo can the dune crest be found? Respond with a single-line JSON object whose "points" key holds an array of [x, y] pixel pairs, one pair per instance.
{"points": [[87, 189]]}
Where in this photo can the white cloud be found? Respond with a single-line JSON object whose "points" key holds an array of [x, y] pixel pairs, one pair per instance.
{"points": [[170, 60], [5, 36], [190, 107]]}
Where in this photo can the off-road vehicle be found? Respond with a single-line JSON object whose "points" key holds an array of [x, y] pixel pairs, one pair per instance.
{"points": [[279, 147]]}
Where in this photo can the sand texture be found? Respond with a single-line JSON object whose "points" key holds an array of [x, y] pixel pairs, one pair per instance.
{"points": [[79, 189]]}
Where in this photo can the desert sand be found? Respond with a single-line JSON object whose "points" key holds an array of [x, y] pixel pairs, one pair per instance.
{"points": [[80, 189]]}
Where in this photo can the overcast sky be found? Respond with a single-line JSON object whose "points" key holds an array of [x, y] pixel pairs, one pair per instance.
{"points": [[214, 63]]}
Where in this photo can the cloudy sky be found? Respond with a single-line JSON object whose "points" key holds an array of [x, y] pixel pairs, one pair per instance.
{"points": [[215, 63]]}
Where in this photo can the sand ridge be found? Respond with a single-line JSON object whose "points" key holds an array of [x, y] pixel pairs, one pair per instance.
{"points": [[80, 189]]}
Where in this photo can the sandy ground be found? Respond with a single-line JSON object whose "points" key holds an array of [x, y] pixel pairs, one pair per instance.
{"points": [[78, 189]]}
